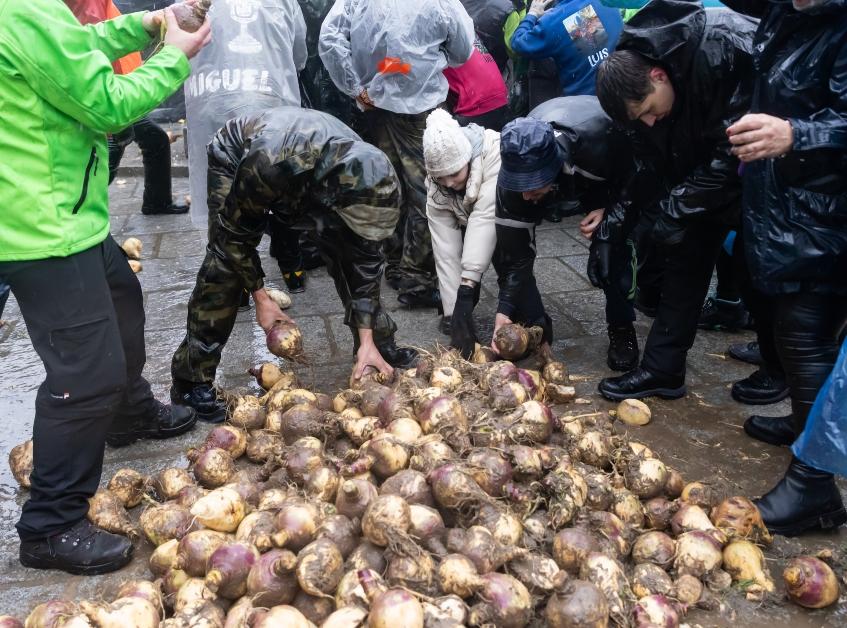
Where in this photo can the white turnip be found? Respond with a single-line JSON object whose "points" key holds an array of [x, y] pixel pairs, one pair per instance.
{"points": [[297, 524], [810, 582], [247, 413], [697, 553], [341, 531], [319, 568], [453, 488], [650, 579], [132, 247], [257, 528], [269, 374], [167, 484], [646, 477], [698, 494], [536, 571], [221, 510], [654, 547], [123, 612], [386, 520], [282, 299], [571, 546], [745, 562], [633, 412], [658, 513], [285, 340], [279, 616], [608, 575], [263, 445], [163, 558], [446, 378], [353, 498], [576, 604], [164, 522], [507, 603], [507, 396], [655, 611], [106, 511], [687, 589], [128, 486], [409, 484], [213, 468]]}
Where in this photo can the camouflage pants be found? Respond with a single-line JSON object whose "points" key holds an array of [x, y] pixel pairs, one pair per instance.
{"points": [[409, 251]]}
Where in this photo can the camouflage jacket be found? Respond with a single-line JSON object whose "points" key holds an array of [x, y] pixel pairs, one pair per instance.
{"points": [[293, 163]]}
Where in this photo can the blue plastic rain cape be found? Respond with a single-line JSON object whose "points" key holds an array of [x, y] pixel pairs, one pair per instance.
{"points": [[823, 444]]}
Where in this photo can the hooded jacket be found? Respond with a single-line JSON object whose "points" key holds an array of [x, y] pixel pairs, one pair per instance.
{"points": [[59, 96], [708, 57], [300, 165], [795, 207], [396, 49]]}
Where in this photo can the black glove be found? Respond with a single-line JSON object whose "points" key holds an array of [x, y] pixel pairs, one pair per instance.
{"points": [[463, 336], [600, 263]]}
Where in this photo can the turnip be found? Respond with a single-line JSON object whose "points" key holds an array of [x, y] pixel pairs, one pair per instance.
{"points": [[239, 613], [532, 382], [315, 609], [232, 440], [526, 463], [655, 611], [128, 487], [506, 396], [341, 531], [555, 373], [506, 604], [698, 494], [274, 498], [247, 413], [279, 616], [197, 614], [170, 583], [810, 582], [282, 398], [650, 579], [633, 412], [446, 377], [269, 374], [228, 568], [350, 591], [150, 591], [285, 340], [195, 548], [372, 398], [167, 483], [608, 575], [658, 513], [457, 575], [745, 562], [297, 524], [490, 469], [392, 607], [496, 374], [386, 520], [353, 498], [599, 491], [282, 299], [132, 247], [221, 510], [687, 589], [530, 423], [322, 484], [347, 617], [738, 518], [675, 484], [481, 548], [304, 419], [191, 593], [453, 488], [483, 355], [627, 507], [263, 445], [504, 525], [135, 266], [690, 517], [613, 530], [571, 546], [106, 511], [164, 522], [50, 614], [123, 612], [654, 547], [163, 558], [697, 553], [257, 528], [393, 406], [428, 527], [7, 621], [646, 477], [536, 571], [576, 604], [443, 415], [568, 491], [409, 484], [383, 454], [718, 580], [407, 431], [301, 460], [213, 467], [514, 341], [594, 449], [411, 569], [559, 393], [319, 568], [360, 429]]}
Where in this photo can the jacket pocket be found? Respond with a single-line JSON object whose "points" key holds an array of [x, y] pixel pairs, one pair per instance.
{"points": [[93, 160]]}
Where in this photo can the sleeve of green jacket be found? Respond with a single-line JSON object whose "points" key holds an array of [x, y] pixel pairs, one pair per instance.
{"points": [[69, 65]]}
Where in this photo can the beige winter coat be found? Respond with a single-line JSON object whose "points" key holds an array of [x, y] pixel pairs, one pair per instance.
{"points": [[449, 211]]}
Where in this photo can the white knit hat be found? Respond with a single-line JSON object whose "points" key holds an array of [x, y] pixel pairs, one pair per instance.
{"points": [[446, 148]]}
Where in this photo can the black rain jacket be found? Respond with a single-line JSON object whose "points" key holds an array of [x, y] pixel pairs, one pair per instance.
{"points": [[489, 17]]}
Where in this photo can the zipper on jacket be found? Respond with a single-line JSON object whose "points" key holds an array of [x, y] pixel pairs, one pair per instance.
{"points": [[91, 162]]}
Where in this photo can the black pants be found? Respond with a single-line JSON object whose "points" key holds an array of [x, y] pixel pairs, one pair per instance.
{"points": [[620, 295], [807, 328], [687, 273], [494, 120], [85, 317], [156, 157]]}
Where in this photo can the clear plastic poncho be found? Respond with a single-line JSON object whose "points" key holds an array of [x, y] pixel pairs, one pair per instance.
{"points": [[257, 49], [396, 49]]}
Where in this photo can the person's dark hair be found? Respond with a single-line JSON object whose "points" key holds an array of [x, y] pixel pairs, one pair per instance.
{"points": [[624, 76]]}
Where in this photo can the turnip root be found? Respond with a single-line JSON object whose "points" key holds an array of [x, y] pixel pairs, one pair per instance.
{"points": [[810, 582], [194, 550], [128, 487], [571, 546], [658, 513], [386, 520], [297, 523], [559, 393], [514, 341], [322, 484], [576, 604], [197, 614], [409, 484], [164, 522], [506, 604], [697, 553], [221, 510], [615, 532], [282, 398], [50, 614], [646, 477], [568, 492], [446, 378], [650, 579], [654, 547], [526, 463], [372, 399], [132, 247], [687, 589], [453, 488], [279, 616], [506, 396], [599, 491], [535, 571], [285, 340], [346, 617], [738, 518], [745, 562], [304, 419], [490, 469], [163, 558], [532, 383], [360, 429], [594, 449], [228, 568], [483, 355], [555, 373], [341, 531], [282, 299], [655, 611], [320, 568], [123, 612], [213, 467], [269, 374], [247, 413], [315, 609], [106, 511], [633, 412], [457, 575], [428, 527], [353, 498], [257, 528], [383, 454], [609, 577], [481, 548], [193, 592], [230, 439], [20, 462], [698, 494], [504, 525], [367, 556]]}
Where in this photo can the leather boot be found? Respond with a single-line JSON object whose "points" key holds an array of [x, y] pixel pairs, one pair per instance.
{"points": [[761, 388], [804, 499], [774, 430], [641, 383]]}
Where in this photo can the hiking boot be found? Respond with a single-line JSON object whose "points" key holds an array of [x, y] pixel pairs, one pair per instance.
{"points": [[640, 383], [167, 210], [202, 398], [623, 348], [773, 430], [163, 421], [804, 499], [295, 281], [746, 352], [446, 325], [84, 549], [722, 315], [760, 389]]}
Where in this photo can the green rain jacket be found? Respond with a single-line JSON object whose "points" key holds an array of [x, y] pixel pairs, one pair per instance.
{"points": [[59, 97]]}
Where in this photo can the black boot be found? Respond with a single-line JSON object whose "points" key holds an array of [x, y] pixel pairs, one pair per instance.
{"points": [[446, 325], [641, 383], [760, 389], [623, 348], [170, 209], [746, 352], [295, 281], [84, 549], [774, 430], [722, 315], [398, 357], [202, 398], [425, 298], [160, 422], [804, 499]]}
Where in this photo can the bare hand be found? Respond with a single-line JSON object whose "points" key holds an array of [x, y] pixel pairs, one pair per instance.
{"points": [[189, 43], [365, 101], [152, 22], [369, 355], [267, 312], [589, 224], [760, 136], [499, 321], [540, 7]]}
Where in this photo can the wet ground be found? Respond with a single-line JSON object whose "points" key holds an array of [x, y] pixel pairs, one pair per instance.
{"points": [[700, 435]]}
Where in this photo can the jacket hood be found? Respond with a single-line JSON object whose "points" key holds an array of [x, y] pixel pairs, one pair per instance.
{"points": [[661, 31]]}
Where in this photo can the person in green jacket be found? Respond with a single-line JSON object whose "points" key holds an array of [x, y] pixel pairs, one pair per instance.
{"points": [[81, 302]]}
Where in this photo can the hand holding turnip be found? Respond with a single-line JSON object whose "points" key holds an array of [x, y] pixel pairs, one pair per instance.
{"points": [[190, 43], [369, 357]]}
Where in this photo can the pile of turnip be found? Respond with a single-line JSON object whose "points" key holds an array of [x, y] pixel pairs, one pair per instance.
{"points": [[460, 494]]}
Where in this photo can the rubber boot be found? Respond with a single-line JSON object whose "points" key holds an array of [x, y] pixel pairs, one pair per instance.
{"points": [[804, 499]]}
